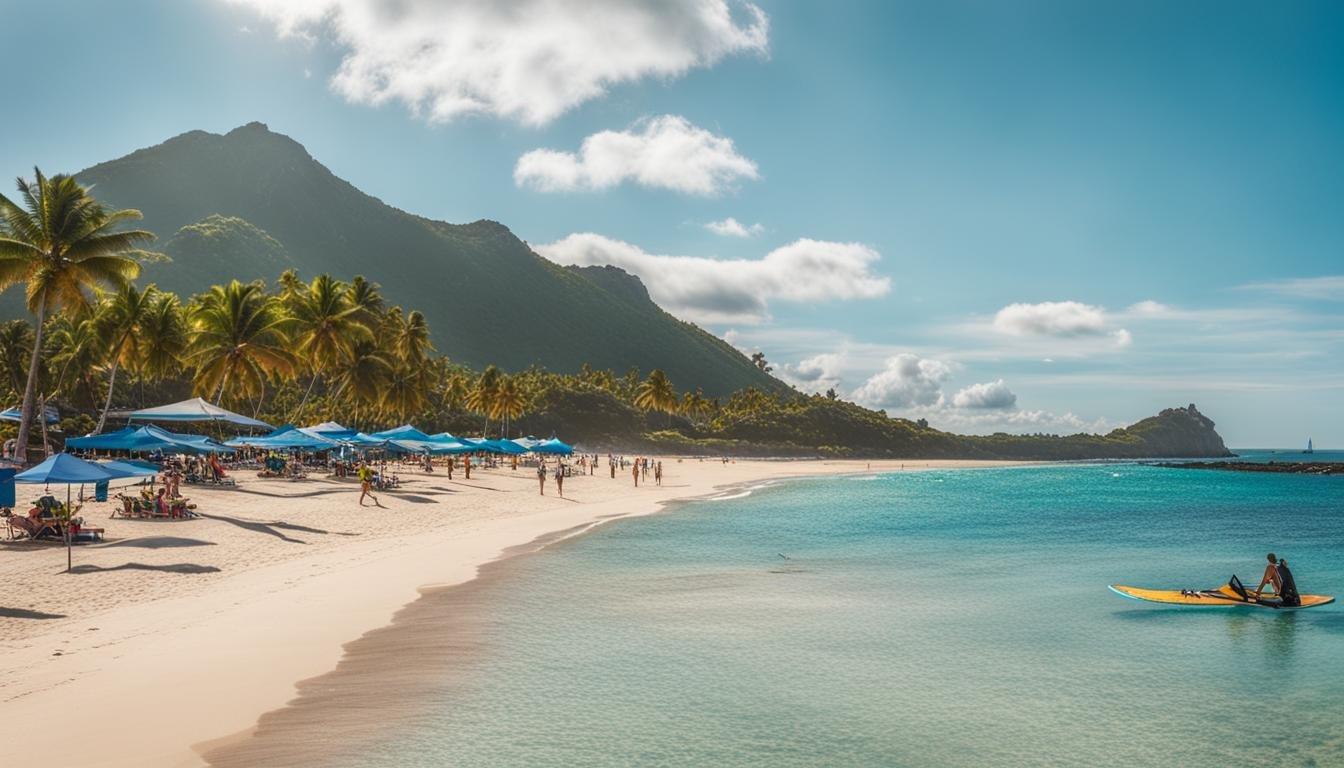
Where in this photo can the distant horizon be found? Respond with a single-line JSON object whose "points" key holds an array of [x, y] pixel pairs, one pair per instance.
{"points": [[1055, 218]]}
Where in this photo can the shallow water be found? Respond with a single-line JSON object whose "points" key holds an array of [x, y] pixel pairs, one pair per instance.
{"points": [[922, 619]]}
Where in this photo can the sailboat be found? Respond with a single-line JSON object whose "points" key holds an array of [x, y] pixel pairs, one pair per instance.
{"points": [[1309, 450]]}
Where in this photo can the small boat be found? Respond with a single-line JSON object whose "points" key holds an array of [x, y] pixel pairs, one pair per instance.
{"points": [[1225, 596], [1309, 450]]}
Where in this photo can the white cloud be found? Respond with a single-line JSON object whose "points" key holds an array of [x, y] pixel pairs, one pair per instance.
{"points": [[526, 60], [733, 290], [815, 374], [989, 395], [968, 421], [1326, 287], [665, 152], [906, 381], [1060, 319], [731, 227], [1149, 308]]}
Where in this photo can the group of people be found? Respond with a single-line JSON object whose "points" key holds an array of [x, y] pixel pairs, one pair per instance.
{"points": [[558, 473]]}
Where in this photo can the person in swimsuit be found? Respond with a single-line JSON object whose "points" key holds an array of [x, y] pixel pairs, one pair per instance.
{"points": [[1271, 576]]}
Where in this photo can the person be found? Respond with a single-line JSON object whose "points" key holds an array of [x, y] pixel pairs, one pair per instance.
{"points": [[466, 466], [1288, 596], [428, 462], [541, 476], [635, 472], [560, 478], [1271, 576], [658, 472], [451, 461], [611, 460], [366, 483]]}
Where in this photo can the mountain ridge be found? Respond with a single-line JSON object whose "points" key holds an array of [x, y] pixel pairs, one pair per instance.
{"points": [[487, 296]]}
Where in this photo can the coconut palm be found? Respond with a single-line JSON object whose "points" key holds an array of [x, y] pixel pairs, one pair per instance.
{"points": [[365, 295], [16, 344], [482, 396], [163, 337], [410, 338], [117, 321], [324, 326], [508, 402], [60, 243], [76, 350], [359, 379], [237, 341], [656, 393], [404, 393], [455, 391]]}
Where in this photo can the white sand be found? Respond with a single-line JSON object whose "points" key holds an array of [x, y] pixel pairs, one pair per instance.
{"points": [[156, 652]]}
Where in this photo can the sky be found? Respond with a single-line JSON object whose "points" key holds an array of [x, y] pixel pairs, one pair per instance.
{"points": [[1028, 217]]}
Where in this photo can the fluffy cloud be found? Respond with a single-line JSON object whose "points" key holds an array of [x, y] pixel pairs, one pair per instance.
{"points": [[986, 421], [731, 227], [814, 374], [989, 395], [665, 152], [734, 290], [1060, 319], [527, 60], [906, 381]]}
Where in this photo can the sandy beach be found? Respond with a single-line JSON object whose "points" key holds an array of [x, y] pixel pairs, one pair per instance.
{"points": [[173, 636]]}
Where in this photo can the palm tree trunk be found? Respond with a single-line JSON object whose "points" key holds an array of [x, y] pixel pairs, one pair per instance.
{"points": [[107, 405], [30, 390], [299, 411]]}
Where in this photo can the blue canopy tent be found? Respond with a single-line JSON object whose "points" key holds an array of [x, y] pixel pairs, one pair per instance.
{"points": [[507, 447], [147, 438], [404, 432], [288, 436], [14, 414], [553, 446], [64, 468], [195, 409]]}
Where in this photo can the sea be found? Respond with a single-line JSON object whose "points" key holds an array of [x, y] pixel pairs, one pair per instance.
{"points": [[918, 618]]}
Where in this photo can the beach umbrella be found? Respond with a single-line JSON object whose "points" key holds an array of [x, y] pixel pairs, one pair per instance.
{"points": [[67, 469], [195, 409]]}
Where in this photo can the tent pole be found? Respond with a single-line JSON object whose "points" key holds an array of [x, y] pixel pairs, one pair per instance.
{"points": [[69, 515]]}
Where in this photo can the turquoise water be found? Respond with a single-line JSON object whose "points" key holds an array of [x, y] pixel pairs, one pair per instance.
{"points": [[914, 619]]}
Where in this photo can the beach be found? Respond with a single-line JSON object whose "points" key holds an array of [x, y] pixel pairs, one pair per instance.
{"points": [[172, 636]]}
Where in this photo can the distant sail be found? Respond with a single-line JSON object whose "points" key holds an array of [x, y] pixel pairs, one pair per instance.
{"points": [[1309, 450]]}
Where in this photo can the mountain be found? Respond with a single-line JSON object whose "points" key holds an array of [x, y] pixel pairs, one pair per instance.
{"points": [[819, 426], [253, 202]]}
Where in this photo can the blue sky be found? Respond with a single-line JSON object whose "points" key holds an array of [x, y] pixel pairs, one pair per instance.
{"points": [[1021, 216]]}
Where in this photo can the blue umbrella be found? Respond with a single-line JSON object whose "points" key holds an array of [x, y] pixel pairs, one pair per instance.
{"points": [[64, 468]]}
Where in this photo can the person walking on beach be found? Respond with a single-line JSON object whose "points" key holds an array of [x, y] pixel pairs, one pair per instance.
{"points": [[658, 472], [644, 468], [611, 461], [466, 466], [450, 467], [541, 476], [635, 472], [559, 479], [366, 483]]}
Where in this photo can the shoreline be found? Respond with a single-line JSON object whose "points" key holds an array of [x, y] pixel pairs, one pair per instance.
{"points": [[232, 651]]}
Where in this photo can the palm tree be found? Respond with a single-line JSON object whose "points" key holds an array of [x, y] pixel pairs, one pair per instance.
{"points": [[360, 378], [455, 391], [507, 403], [325, 326], [365, 295], [75, 349], [238, 341], [163, 337], [16, 344], [60, 243], [410, 339], [656, 393], [482, 396], [118, 321], [404, 391]]}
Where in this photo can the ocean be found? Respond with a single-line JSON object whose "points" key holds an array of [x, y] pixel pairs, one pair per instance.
{"points": [[931, 618]]}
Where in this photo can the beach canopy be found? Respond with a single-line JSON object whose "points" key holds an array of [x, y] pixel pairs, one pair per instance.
{"points": [[64, 468], [507, 447], [404, 432], [553, 446], [288, 436], [146, 437], [195, 409], [528, 442], [128, 468], [14, 414]]}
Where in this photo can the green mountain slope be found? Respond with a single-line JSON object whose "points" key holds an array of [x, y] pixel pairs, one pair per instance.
{"points": [[252, 202]]}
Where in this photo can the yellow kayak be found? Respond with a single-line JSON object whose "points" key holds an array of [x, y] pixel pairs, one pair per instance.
{"points": [[1222, 597]]}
